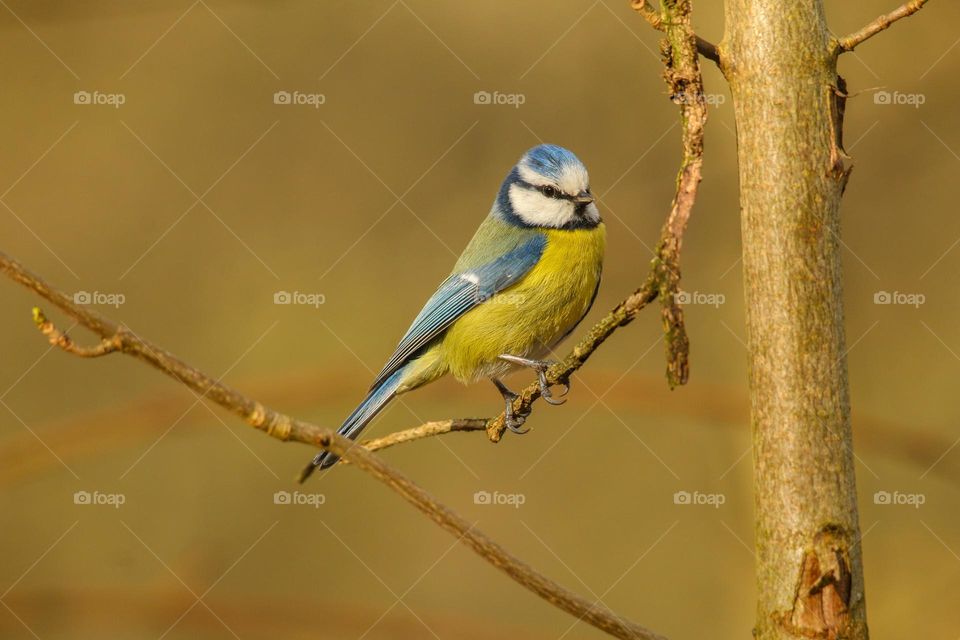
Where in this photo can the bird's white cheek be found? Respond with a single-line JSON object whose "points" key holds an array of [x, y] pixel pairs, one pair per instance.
{"points": [[536, 209]]}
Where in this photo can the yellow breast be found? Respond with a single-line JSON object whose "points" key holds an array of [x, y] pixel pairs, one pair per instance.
{"points": [[532, 316]]}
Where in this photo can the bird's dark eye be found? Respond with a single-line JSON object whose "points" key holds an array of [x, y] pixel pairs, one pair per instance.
{"points": [[550, 192]]}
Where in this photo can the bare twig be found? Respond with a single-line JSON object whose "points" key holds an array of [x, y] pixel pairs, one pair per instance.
{"points": [[704, 47], [284, 427], [425, 430], [648, 12], [561, 371], [852, 41], [62, 340], [685, 81], [708, 50]]}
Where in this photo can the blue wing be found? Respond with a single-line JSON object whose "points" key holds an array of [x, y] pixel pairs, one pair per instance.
{"points": [[460, 293]]}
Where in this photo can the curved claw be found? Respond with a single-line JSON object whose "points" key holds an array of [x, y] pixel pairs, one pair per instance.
{"points": [[511, 420], [548, 397], [516, 426], [547, 393]]}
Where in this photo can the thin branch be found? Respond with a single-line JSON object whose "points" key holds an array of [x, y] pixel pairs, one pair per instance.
{"points": [[686, 86], [852, 41], [284, 427], [62, 340], [649, 13], [646, 10], [708, 50], [425, 430], [561, 371]]}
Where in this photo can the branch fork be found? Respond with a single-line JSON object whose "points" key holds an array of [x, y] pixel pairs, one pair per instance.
{"points": [[61, 339]]}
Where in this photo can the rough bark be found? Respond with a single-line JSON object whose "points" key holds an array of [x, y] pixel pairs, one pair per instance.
{"points": [[781, 65]]}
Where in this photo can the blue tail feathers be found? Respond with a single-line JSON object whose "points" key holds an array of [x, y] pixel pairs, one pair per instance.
{"points": [[357, 421]]}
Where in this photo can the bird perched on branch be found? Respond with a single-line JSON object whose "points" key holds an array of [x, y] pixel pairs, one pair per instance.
{"points": [[525, 280]]}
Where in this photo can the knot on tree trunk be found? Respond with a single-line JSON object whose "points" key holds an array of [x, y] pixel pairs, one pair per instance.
{"points": [[821, 606]]}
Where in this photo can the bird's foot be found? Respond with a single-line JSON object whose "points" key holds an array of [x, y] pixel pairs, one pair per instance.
{"points": [[511, 420], [540, 366]]}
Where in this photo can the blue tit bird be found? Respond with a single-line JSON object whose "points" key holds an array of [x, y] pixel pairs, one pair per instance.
{"points": [[524, 282]]}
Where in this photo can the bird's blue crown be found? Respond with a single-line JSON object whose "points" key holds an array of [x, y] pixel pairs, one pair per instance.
{"points": [[551, 161]]}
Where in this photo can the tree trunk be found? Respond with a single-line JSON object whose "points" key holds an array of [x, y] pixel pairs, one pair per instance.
{"points": [[781, 65]]}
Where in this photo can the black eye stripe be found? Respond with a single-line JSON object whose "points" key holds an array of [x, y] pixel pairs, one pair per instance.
{"points": [[551, 192], [542, 189]]}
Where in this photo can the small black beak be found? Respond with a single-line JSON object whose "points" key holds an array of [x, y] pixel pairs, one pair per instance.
{"points": [[584, 197]]}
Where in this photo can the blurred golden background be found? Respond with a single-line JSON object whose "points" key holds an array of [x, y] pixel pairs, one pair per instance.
{"points": [[150, 163]]}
